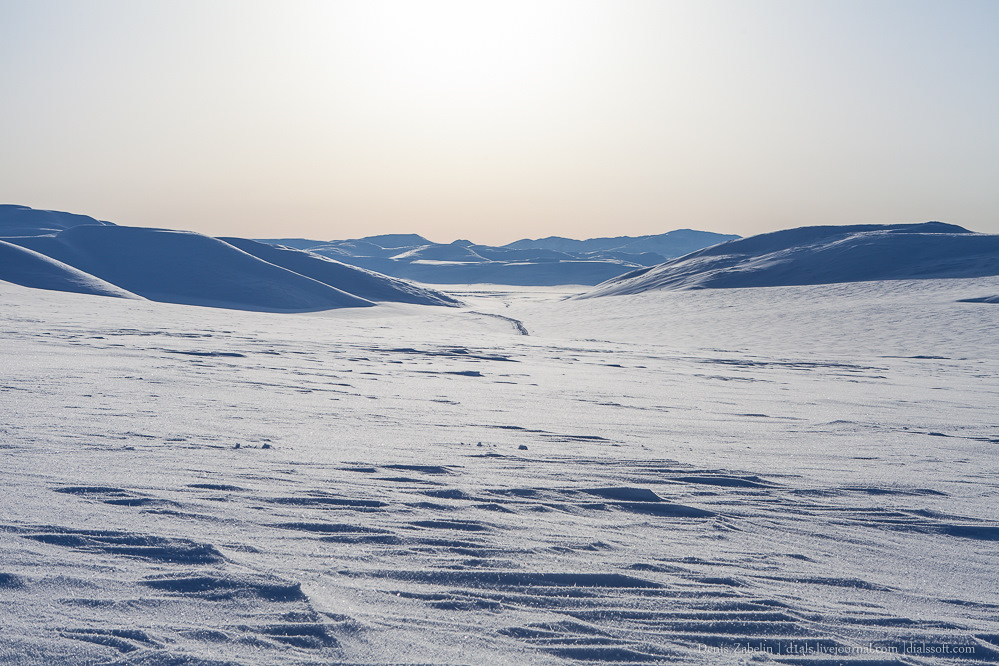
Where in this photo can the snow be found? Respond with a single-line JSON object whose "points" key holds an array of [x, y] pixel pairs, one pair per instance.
{"points": [[448, 253], [24, 221], [31, 269], [76, 253], [518, 272], [359, 282], [186, 267], [822, 255], [670, 244], [801, 474], [548, 261]]}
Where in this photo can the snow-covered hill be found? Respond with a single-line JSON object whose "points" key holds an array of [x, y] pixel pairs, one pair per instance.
{"points": [[28, 268], [66, 252], [544, 262], [24, 221], [185, 267], [670, 244], [822, 255], [358, 281]]}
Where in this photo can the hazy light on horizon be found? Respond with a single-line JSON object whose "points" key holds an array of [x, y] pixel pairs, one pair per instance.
{"points": [[499, 120]]}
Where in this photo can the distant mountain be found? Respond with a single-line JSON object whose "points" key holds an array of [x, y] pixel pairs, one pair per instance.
{"points": [[297, 243], [437, 252], [670, 244], [76, 253], [821, 255], [549, 261], [298, 274], [398, 240]]}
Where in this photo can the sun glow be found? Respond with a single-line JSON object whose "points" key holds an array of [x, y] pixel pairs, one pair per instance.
{"points": [[465, 53]]}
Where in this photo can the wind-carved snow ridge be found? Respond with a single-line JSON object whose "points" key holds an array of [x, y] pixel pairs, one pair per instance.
{"points": [[517, 324], [821, 255], [791, 475], [981, 299]]}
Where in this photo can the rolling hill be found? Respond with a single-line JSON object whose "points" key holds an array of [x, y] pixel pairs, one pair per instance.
{"points": [[76, 253], [821, 255], [543, 262]]}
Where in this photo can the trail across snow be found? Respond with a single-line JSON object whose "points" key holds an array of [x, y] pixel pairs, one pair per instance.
{"points": [[800, 475]]}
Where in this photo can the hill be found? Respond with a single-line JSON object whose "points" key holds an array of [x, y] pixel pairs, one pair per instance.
{"points": [[670, 244], [357, 281], [548, 261], [185, 267], [76, 253], [24, 221], [821, 255], [28, 268]]}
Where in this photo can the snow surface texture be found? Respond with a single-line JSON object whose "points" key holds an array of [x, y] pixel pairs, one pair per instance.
{"points": [[546, 261], [797, 475], [184, 267], [821, 255]]}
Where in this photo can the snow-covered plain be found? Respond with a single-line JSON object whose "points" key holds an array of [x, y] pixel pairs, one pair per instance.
{"points": [[801, 475]]}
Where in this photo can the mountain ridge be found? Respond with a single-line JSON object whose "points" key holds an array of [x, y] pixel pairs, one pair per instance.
{"points": [[544, 262]]}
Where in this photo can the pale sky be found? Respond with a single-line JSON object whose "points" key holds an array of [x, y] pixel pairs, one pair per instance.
{"points": [[498, 120]]}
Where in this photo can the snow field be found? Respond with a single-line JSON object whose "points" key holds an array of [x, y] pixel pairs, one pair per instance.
{"points": [[802, 475]]}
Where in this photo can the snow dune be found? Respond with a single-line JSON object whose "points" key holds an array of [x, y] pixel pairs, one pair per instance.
{"points": [[822, 255]]}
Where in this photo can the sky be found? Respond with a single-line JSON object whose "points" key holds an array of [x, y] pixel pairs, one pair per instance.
{"points": [[498, 120]]}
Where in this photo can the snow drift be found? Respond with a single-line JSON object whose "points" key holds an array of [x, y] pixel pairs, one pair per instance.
{"points": [[822, 255]]}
